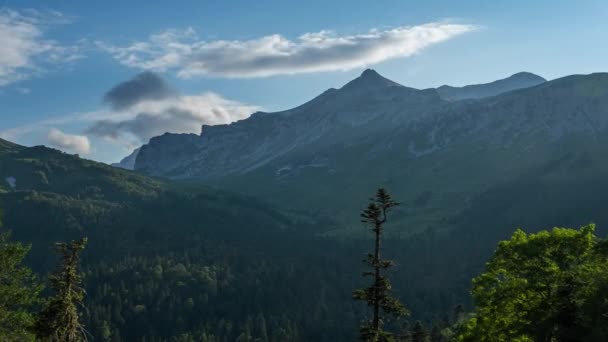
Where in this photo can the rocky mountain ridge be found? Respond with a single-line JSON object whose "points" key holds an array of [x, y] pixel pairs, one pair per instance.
{"points": [[373, 132]]}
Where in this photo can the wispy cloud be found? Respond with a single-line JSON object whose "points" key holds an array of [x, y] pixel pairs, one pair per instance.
{"points": [[272, 55], [135, 113], [24, 49], [68, 142]]}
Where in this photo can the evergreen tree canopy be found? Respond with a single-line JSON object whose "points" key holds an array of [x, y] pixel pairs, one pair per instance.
{"points": [[60, 320]]}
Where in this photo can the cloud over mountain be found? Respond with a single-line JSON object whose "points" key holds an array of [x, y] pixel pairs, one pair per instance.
{"points": [[68, 142], [147, 118], [275, 54], [147, 85]]}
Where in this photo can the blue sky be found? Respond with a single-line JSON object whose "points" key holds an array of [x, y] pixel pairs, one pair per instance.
{"points": [[217, 61]]}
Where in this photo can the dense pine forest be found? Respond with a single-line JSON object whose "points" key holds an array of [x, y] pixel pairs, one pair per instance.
{"points": [[182, 262]]}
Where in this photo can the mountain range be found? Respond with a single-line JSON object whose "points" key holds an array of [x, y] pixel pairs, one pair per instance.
{"points": [[358, 104], [437, 150]]}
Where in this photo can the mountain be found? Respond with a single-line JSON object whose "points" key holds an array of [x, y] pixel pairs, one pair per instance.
{"points": [[436, 155], [476, 91], [368, 103], [128, 162], [7, 146]]}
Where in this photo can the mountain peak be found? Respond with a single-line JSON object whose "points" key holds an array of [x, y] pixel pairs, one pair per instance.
{"points": [[516, 81], [370, 73], [370, 79], [524, 75]]}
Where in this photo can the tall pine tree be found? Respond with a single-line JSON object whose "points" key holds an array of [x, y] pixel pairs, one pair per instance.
{"points": [[377, 295], [60, 320]]}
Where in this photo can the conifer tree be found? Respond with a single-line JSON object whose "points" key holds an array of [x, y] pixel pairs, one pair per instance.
{"points": [[377, 295], [436, 334], [419, 333], [59, 321], [19, 292]]}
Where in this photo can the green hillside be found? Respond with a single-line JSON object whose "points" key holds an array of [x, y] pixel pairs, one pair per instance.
{"points": [[43, 169], [165, 246]]}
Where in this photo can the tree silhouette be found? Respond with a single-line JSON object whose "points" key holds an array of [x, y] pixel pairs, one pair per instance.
{"points": [[377, 295]]}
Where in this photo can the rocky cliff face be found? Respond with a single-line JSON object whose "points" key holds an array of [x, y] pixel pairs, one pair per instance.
{"points": [[128, 162]]}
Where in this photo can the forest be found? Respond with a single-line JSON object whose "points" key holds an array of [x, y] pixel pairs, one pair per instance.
{"points": [[544, 286], [182, 261]]}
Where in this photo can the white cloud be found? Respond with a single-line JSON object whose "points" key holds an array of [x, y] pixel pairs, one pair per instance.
{"points": [[71, 143], [272, 55], [180, 114], [24, 51]]}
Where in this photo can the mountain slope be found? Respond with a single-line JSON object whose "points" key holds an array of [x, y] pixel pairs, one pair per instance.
{"points": [[7, 146], [476, 91], [40, 168], [367, 104], [435, 155]]}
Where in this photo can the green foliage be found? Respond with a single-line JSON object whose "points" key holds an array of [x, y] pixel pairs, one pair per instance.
{"points": [[548, 286], [19, 292], [377, 295], [59, 321]]}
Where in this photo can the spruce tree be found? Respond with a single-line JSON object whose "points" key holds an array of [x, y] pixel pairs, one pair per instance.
{"points": [[436, 335], [19, 292], [419, 333], [60, 320], [377, 295]]}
